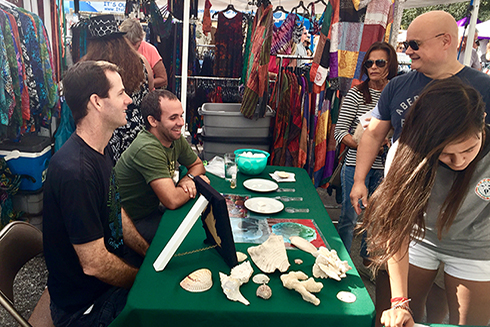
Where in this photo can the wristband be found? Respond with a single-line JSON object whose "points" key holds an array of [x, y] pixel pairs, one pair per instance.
{"points": [[398, 299]]}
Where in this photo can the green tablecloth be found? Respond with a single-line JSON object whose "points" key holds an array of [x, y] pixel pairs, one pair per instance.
{"points": [[156, 299]]}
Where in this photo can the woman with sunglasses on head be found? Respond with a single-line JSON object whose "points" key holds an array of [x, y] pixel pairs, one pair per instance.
{"points": [[379, 66], [433, 207]]}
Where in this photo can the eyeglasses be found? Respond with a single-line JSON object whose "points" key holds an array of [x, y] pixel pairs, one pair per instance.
{"points": [[415, 45], [379, 63]]}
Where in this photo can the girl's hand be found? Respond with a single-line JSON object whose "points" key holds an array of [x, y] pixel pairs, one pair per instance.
{"points": [[397, 318]]}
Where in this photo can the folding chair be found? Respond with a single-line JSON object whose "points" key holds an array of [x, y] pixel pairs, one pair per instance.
{"points": [[20, 242]]}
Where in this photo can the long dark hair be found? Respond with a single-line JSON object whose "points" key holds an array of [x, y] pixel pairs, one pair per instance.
{"points": [[118, 51], [447, 111], [392, 67]]}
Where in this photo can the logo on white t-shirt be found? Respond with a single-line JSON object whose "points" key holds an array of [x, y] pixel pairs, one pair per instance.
{"points": [[482, 189]]}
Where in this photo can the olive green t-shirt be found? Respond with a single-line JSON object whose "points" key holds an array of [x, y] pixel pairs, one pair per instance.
{"points": [[145, 160]]}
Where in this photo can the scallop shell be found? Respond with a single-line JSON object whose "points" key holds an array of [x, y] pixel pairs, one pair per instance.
{"points": [[303, 244], [270, 255], [241, 256], [198, 281], [264, 291], [231, 288], [242, 272], [261, 279]]}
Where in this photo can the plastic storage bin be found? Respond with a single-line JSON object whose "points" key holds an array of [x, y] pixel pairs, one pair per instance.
{"points": [[226, 120], [32, 204], [28, 157]]}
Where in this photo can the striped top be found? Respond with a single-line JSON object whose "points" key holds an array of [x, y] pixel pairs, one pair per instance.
{"points": [[352, 108]]}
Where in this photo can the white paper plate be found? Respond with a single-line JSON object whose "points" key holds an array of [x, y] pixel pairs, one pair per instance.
{"points": [[260, 185], [264, 205]]}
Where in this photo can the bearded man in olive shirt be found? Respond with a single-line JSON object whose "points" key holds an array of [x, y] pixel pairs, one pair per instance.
{"points": [[146, 168]]}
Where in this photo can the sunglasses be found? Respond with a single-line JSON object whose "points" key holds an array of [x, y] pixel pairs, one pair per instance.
{"points": [[415, 45], [379, 63]]}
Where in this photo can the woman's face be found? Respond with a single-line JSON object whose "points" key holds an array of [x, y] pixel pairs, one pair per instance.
{"points": [[376, 73], [459, 154]]}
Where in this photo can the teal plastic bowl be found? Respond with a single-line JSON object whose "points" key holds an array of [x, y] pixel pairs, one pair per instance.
{"points": [[251, 165]]}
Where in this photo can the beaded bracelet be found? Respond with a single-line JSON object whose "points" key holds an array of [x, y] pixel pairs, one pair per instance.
{"points": [[402, 305]]}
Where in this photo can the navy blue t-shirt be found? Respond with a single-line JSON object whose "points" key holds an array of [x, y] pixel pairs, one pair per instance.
{"points": [[402, 91], [81, 204]]}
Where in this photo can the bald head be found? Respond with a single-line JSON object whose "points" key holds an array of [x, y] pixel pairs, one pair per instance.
{"points": [[436, 34], [433, 23]]}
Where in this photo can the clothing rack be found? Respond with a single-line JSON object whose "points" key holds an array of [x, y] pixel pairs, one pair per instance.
{"points": [[278, 79], [212, 78]]}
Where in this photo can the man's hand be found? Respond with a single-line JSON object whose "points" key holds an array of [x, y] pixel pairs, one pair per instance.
{"points": [[397, 318], [188, 186], [359, 192]]}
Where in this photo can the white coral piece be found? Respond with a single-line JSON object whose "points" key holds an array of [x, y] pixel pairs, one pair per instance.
{"points": [[329, 265], [295, 280]]}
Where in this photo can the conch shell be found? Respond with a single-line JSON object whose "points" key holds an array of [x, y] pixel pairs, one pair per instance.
{"points": [[231, 288], [242, 272], [198, 281], [270, 255]]}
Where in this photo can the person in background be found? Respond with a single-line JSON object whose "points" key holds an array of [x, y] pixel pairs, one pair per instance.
{"points": [[136, 37], [379, 66], [432, 208], [108, 43], [146, 169], [400, 48], [432, 46], [301, 50], [485, 59], [84, 230], [475, 61]]}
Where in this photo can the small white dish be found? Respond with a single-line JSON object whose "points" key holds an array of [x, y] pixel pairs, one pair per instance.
{"points": [[264, 205], [347, 297], [260, 185]]}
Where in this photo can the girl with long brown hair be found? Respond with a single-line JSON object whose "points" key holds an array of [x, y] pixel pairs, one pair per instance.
{"points": [[434, 206]]}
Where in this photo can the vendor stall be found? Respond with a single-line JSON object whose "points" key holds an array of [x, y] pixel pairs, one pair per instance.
{"points": [[156, 298]]}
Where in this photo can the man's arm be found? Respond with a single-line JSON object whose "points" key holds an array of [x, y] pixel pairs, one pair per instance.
{"points": [[171, 196], [131, 236], [367, 150], [160, 74], [96, 261]]}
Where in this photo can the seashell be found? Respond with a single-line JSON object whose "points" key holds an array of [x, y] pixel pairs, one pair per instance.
{"points": [[261, 279], [264, 291], [242, 272], [303, 244], [270, 255], [282, 174], [298, 261], [241, 256], [198, 281], [231, 288]]}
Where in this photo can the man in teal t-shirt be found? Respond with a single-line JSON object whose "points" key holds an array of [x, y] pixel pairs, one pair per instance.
{"points": [[146, 168]]}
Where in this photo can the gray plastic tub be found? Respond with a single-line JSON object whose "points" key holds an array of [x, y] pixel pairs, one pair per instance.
{"points": [[226, 120]]}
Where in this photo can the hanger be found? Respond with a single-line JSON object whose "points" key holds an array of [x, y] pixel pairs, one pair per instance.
{"points": [[232, 8], [280, 8], [317, 1], [301, 5], [7, 4]]}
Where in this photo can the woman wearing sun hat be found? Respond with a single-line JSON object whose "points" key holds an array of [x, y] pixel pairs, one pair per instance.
{"points": [[107, 43]]}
